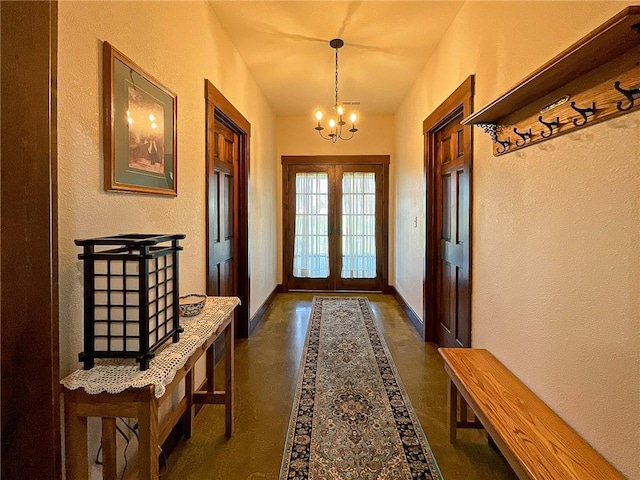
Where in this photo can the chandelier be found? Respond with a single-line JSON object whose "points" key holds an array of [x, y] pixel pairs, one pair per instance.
{"points": [[335, 126]]}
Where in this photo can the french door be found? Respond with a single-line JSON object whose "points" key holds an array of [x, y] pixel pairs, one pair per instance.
{"points": [[335, 225]]}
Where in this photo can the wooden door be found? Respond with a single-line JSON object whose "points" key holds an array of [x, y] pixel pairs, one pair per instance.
{"points": [[228, 135], [336, 224], [222, 225], [448, 171], [452, 189]]}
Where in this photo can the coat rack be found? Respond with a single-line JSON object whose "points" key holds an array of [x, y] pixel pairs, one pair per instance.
{"points": [[595, 79]]}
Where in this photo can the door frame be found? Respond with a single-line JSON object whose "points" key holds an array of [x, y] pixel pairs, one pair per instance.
{"points": [[225, 113], [459, 102], [299, 160], [30, 380]]}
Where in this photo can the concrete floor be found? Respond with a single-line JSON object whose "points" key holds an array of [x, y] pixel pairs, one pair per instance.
{"points": [[266, 374]]}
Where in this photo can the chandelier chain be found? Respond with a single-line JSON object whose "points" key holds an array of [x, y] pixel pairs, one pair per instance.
{"points": [[336, 76]]}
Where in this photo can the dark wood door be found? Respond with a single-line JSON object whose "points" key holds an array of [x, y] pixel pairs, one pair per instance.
{"points": [[335, 227], [227, 135], [452, 192], [221, 278]]}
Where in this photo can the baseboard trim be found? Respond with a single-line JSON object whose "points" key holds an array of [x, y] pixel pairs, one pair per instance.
{"points": [[259, 315], [415, 320]]}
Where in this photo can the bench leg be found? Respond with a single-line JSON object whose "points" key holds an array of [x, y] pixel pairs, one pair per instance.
{"points": [[464, 415], [452, 402]]}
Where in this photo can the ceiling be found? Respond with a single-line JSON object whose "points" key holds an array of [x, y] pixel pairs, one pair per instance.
{"points": [[285, 45]]}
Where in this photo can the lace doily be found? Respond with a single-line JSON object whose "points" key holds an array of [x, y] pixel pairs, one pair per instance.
{"points": [[115, 376]]}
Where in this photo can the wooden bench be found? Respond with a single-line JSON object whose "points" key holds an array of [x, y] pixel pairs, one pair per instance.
{"points": [[536, 442]]}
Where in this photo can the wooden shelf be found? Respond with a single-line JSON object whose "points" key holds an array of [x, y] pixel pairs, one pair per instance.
{"points": [[581, 66]]}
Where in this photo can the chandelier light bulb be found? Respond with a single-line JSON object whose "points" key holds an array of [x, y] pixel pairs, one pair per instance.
{"points": [[318, 115], [340, 110], [353, 118], [332, 123], [152, 117]]}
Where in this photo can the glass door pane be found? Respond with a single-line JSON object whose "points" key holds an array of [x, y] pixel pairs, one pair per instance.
{"points": [[311, 239], [358, 224]]}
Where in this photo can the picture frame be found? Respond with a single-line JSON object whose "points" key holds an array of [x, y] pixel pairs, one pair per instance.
{"points": [[140, 128]]}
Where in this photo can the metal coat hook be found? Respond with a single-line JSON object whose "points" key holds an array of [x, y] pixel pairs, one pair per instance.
{"points": [[549, 125], [523, 135], [630, 94], [505, 145], [584, 113], [490, 129]]}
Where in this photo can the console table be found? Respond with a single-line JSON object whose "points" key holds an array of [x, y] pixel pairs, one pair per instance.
{"points": [[117, 388]]}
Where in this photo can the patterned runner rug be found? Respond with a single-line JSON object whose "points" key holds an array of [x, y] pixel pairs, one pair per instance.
{"points": [[352, 418]]}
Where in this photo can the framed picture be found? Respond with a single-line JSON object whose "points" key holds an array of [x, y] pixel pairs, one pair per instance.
{"points": [[140, 140]]}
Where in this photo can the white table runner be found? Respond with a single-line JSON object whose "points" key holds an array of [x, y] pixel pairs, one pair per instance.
{"points": [[116, 375]]}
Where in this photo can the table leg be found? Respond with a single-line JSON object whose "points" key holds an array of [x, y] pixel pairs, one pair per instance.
{"points": [[109, 462], [188, 392], [75, 439], [211, 367], [148, 438], [229, 380], [452, 401]]}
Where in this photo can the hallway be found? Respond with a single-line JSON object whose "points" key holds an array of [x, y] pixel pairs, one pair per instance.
{"points": [[266, 374]]}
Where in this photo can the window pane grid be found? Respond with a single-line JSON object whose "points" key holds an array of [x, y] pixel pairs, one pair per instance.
{"points": [[358, 225], [311, 244]]}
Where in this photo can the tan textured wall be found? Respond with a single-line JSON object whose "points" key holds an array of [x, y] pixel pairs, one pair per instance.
{"points": [[181, 44], [556, 254], [296, 136]]}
